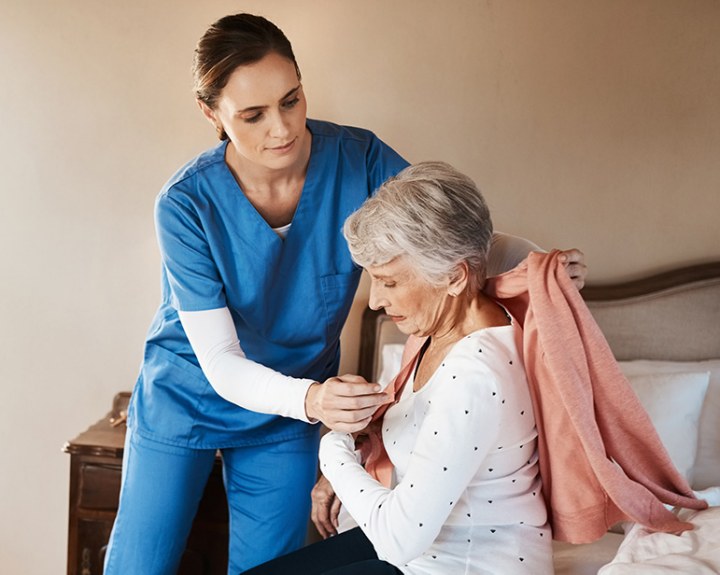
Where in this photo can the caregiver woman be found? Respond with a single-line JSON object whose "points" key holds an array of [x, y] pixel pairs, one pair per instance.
{"points": [[256, 285]]}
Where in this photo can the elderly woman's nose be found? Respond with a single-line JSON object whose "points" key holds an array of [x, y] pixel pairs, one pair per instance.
{"points": [[376, 301]]}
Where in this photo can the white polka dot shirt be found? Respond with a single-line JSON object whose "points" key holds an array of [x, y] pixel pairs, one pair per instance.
{"points": [[467, 494]]}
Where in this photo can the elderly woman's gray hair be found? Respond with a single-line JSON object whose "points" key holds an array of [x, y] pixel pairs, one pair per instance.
{"points": [[430, 213]]}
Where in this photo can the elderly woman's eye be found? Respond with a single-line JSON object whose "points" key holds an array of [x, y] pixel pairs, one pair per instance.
{"points": [[389, 284]]}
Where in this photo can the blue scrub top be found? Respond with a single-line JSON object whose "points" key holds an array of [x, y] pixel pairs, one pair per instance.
{"points": [[288, 298]]}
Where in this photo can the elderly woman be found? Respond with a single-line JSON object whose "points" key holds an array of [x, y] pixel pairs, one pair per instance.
{"points": [[461, 435]]}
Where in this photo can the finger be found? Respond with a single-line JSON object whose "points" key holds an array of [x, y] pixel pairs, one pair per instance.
{"points": [[349, 427], [352, 389], [364, 403], [572, 256], [318, 518], [344, 403], [352, 378], [576, 270], [326, 527], [351, 416], [335, 513], [578, 281], [320, 527]]}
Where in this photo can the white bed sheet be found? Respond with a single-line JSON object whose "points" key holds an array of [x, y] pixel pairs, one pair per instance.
{"points": [[694, 552]]}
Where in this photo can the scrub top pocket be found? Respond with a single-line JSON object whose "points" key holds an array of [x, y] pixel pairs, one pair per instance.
{"points": [[177, 380]]}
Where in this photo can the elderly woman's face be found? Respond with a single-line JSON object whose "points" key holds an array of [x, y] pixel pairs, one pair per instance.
{"points": [[416, 306]]}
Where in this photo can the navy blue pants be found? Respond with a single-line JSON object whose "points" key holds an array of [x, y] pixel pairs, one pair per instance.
{"points": [[349, 553], [268, 489]]}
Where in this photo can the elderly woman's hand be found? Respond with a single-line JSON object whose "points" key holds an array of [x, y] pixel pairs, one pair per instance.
{"points": [[325, 508], [574, 261], [345, 403]]}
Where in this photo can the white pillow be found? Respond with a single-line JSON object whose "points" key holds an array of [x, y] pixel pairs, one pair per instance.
{"points": [[707, 463], [674, 402]]}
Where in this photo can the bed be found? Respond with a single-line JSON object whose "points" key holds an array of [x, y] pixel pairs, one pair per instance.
{"points": [[664, 330]]}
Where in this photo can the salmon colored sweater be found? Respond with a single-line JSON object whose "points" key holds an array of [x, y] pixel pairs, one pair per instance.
{"points": [[601, 460]]}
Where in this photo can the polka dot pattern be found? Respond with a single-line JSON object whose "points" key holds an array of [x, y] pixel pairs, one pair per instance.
{"points": [[455, 445]]}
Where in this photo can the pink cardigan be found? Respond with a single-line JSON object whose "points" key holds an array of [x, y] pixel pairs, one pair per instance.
{"points": [[601, 460]]}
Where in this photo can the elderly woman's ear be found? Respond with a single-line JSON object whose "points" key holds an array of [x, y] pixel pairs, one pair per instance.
{"points": [[459, 280]]}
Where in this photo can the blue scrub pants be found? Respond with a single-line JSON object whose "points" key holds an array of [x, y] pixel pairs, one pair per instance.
{"points": [[268, 490]]}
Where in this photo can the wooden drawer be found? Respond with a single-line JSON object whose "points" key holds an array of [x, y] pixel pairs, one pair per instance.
{"points": [[99, 486]]}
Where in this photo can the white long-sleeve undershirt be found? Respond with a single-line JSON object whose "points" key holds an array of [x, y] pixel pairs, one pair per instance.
{"points": [[239, 380]]}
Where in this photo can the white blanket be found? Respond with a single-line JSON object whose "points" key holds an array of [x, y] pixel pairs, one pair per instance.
{"points": [[694, 552]]}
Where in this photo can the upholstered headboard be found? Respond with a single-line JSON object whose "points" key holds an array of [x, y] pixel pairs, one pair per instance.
{"points": [[671, 316]]}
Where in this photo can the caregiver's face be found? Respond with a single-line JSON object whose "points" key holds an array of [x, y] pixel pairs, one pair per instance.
{"points": [[263, 111]]}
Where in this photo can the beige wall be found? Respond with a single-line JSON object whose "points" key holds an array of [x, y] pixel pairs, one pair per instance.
{"points": [[589, 123]]}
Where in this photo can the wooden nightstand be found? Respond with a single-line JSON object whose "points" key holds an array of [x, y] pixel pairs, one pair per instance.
{"points": [[95, 467]]}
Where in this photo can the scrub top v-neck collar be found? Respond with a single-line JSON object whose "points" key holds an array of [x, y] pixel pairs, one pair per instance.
{"points": [[307, 203]]}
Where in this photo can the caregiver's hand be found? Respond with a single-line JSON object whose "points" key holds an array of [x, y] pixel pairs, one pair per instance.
{"points": [[345, 403], [325, 508], [574, 261]]}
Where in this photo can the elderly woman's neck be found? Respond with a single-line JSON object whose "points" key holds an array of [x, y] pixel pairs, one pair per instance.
{"points": [[468, 314], [464, 316]]}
